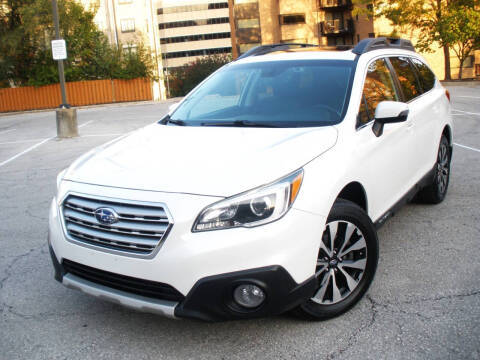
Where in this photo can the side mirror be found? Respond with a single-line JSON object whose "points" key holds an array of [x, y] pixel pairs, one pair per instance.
{"points": [[389, 112], [172, 107]]}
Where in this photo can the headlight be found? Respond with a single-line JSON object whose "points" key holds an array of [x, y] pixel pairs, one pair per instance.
{"points": [[60, 176], [252, 208]]}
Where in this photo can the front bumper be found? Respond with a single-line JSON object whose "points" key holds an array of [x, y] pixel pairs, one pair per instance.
{"points": [[210, 299], [202, 267]]}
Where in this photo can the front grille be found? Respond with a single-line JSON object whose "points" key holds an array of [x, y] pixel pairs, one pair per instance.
{"points": [[139, 230], [128, 284]]}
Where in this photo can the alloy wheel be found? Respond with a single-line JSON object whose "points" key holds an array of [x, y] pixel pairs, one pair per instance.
{"points": [[442, 167], [341, 264]]}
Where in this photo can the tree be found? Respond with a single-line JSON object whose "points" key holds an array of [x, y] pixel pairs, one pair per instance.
{"points": [[460, 29], [185, 78], [26, 29], [425, 16], [15, 48]]}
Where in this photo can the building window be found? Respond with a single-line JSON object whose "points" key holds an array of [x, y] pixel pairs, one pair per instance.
{"points": [[176, 24], [218, 6], [248, 23], [217, 21], [127, 25], [469, 62], [129, 48], [292, 19], [190, 8], [202, 52], [200, 37]]}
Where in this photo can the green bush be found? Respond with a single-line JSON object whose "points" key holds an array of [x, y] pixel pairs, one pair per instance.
{"points": [[183, 79]]}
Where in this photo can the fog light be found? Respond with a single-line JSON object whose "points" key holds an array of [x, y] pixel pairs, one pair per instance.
{"points": [[248, 295]]}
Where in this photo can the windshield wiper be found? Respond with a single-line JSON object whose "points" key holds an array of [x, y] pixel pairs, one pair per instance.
{"points": [[240, 123], [167, 120]]}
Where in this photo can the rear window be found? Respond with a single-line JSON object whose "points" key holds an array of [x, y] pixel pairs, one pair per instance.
{"points": [[427, 77], [294, 93], [407, 78]]}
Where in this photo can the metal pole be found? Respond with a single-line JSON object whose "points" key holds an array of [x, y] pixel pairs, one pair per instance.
{"points": [[117, 42], [61, 72], [168, 75], [67, 125]]}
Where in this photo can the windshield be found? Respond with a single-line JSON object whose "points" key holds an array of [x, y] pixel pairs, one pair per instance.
{"points": [[278, 94]]}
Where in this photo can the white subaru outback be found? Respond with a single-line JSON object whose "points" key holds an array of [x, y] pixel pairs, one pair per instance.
{"points": [[261, 192]]}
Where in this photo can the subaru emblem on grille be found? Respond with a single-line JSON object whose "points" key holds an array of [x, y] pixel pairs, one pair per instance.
{"points": [[106, 216]]}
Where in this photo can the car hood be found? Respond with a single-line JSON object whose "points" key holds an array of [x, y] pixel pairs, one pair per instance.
{"points": [[216, 161]]}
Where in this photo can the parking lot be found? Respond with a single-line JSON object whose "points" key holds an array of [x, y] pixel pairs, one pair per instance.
{"points": [[424, 301]]}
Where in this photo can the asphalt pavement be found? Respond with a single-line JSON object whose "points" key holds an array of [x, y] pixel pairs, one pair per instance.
{"points": [[423, 304]]}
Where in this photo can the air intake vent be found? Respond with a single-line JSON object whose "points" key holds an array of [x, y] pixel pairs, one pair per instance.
{"points": [[128, 284]]}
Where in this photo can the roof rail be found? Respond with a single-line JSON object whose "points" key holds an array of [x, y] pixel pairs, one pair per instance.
{"points": [[265, 49], [367, 45]]}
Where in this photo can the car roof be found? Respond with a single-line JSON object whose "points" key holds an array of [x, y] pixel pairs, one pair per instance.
{"points": [[291, 51]]}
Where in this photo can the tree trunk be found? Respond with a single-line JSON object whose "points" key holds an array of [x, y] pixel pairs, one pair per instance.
{"points": [[460, 71], [446, 54]]}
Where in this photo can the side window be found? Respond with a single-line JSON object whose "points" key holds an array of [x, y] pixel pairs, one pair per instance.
{"points": [[427, 77], [378, 87], [406, 76]]}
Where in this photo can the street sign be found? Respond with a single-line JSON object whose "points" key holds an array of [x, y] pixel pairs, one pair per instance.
{"points": [[59, 50]]}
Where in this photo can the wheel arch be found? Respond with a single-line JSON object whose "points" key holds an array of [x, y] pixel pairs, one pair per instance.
{"points": [[447, 131], [355, 192]]}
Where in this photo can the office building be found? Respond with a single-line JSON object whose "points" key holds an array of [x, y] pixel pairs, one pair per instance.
{"points": [[189, 29]]}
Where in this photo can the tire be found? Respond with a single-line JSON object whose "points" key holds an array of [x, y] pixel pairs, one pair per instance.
{"points": [[355, 244], [435, 192]]}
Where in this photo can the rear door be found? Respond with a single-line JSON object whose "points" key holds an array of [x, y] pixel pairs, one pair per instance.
{"points": [[423, 111], [386, 159], [430, 112]]}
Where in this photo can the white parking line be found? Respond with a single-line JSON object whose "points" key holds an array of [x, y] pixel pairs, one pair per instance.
{"points": [[19, 141], [33, 147], [465, 112], [25, 151], [6, 131], [33, 140], [88, 122], [100, 135], [467, 147]]}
